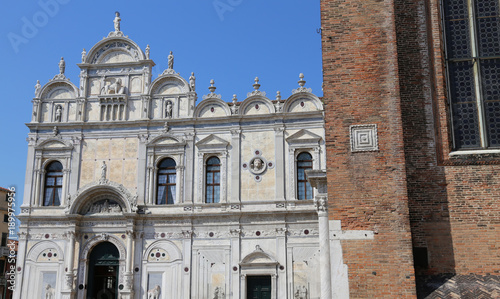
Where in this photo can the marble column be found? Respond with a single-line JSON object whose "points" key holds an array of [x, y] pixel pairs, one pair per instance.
{"points": [[321, 201], [317, 179], [68, 291]]}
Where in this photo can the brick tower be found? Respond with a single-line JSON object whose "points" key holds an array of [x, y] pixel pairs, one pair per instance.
{"points": [[412, 113]]}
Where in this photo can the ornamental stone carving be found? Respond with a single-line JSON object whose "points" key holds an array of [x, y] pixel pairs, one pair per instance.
{"points": [[154, 293]]}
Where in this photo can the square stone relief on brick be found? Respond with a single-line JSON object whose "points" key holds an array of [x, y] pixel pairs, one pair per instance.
{"points": [[363, 138]]}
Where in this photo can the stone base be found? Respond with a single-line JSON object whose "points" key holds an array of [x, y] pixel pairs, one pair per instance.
{"points": [[69, 294]]}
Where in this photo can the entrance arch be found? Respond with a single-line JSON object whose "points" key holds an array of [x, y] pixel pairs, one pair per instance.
{"points": [[102, 278]]}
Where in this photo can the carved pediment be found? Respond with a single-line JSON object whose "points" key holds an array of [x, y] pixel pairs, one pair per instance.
{"points": [[104, 206], [258, 258], [212, 142], [304, 137], [54, 144], [167, 140]]}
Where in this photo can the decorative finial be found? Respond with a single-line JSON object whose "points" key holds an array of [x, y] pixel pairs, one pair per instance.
{"points": [[278, 96], [256, 85], [192, 81], [62, 66], [55, 131], [301, 82], [116, 21], [147, 51], [171, 61], [234, 99], [212, 88], [84, 55], [37, 87]]}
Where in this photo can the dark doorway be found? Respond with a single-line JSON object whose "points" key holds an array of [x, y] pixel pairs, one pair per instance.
{"points": [[259, 287], [102, 279]]}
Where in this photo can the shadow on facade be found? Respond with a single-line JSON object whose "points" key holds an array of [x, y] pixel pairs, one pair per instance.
{"points": [[426, 181]]}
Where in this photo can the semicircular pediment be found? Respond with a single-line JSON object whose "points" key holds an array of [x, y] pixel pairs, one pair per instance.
{"points": [[258, 257], [114, 50], [103, 198], [169, 84], [59, 90], [256, 105]]}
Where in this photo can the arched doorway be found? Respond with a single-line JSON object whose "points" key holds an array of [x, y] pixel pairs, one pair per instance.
{"points": [[102, 280]]}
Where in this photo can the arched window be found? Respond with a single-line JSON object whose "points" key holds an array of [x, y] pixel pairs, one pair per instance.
{"points": [[304, 189], [53, 184], [212, 180], [165, 194]]}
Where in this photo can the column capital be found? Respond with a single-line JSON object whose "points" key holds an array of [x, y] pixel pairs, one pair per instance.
{"points": [[321, 203]]}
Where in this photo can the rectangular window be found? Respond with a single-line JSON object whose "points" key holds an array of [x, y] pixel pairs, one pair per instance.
{"points": [[472, 33]]}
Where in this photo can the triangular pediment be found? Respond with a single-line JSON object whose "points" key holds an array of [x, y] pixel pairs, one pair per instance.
{"points": [[304, 137], [211, 142], [167, 141], [54, 144]]}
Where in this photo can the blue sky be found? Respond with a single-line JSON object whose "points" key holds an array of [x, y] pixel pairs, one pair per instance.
{"points": [[230, 41]]}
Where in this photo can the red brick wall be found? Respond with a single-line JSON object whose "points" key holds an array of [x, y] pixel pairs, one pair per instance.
{"points": [[367, 190]]}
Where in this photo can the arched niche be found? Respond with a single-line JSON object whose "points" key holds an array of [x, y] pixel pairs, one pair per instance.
{"points": [[212, 108], [256, 105]]}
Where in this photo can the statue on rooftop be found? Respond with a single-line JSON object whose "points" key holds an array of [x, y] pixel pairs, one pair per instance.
{"points": [[171, 61], [147, 51], [62, 66], [116, 21], [37, 87], [192, 81], [84, 55]]}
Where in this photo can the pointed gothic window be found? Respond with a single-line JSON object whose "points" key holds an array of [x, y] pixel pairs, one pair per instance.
{"points": [[472, 32], [212, 180], [53, 184], [304, 189], [165, 193]]}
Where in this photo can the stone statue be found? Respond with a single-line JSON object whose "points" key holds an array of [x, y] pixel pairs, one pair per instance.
{"points": [[49, 292], [171, 61], [116, 21], [154, 293], [218, 293], [55, 131], [62, 66], [147, 51], [37, 87], [84, 55], [300, 293], [168, 110], [192, 81], [58, 113], [103, 170]]}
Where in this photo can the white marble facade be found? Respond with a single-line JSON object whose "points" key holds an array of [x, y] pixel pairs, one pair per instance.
{"points": [[110, 132]]}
